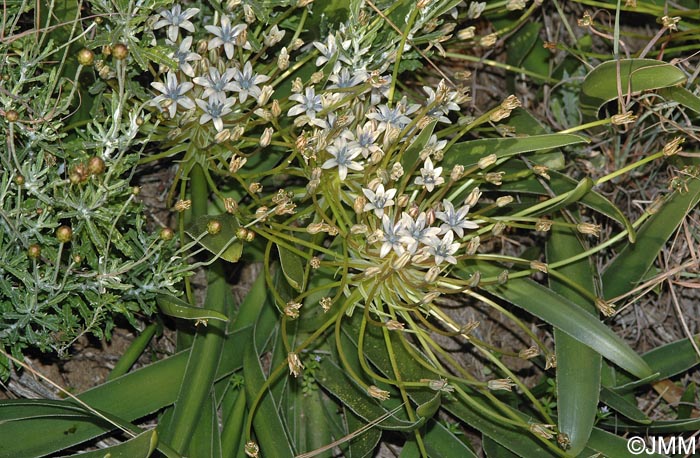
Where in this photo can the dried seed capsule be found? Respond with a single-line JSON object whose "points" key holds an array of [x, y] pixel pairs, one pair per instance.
{"points": [[64, 234], [214, 227], [34, 251], [120, 51], [166, 234], [11, 115], [96, 166], [86, 57]]}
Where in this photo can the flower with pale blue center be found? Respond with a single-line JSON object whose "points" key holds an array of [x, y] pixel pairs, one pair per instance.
{"points": [[391, 237], [225, 35], [415, 232], [443, 250], [246, 82], [308, 103], [184, 56], [215, 83], [454, 221], [343, 153], [379, 199], [176, 19], [174, 93], [214, 109], [430, 176]]}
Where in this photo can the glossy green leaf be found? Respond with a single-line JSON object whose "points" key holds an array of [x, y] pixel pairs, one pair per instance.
{"points": [[134, 352], [571, 319], [202, 365], [293, 268], [468, 153], [612, 445], [493, 449], [623, 406], [340, 385], [635, 75], [633, 260], [177, 308], [225, 243], [439, 443], [668, 360], [578, 366], [270, 433], [685, 408], [141, 446], [412, 153], [560, 183], [683, 96], [519, 441], [361, 445]]}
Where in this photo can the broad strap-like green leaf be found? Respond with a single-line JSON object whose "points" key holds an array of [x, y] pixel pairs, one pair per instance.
{"points": [[270, 432], [468, 153], [571, 319], [578, 365], [224, 243], [177, 308], [633, 260], [141, 446], [634, 75]]}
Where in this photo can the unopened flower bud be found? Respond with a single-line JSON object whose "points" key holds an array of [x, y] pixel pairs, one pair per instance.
{"points": [[231, 205], [266, 137], [400, 262], [96, 166], [543, 225], [255, 188], [377, 393], [120, 51], [457, 172], [326, 303], [283, 59], [503, 201], [432, 274], [359, 204], [402, 200], [487, 161], [472, 198], [466, 33], [505, 384], [393, 325], [498, 228], [265, 95], [473, 245], [276, 110], [11, 116], [182, 205], [589, 229], [550, 361], [34, 251], [538, 265], [529, 353], [503, 277], [297, 85], [222, 136], [295, 366]]}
